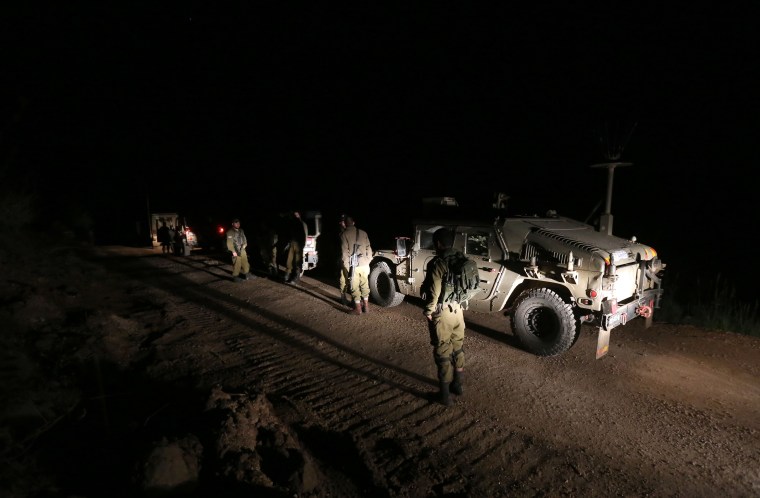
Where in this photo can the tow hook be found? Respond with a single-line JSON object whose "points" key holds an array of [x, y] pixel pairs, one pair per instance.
{"points": [[644, 311]]}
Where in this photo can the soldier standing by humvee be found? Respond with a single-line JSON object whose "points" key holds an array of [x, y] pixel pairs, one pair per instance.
{"points": [[298, 231], [267, 240], [164, 238], [272, 241], [445, 319], [236, 244], [341, 275], [178, 243], [356, 254]]}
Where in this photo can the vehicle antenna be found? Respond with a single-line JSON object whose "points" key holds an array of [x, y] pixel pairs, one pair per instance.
{"points": [[612, 151]]}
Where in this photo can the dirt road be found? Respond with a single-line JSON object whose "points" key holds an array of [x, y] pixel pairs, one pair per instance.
{"points": [[322, 403]]}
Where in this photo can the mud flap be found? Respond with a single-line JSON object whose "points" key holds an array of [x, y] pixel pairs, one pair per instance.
{"points": [[603, 343]]}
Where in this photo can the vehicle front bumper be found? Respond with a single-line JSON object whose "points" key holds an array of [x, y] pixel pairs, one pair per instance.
{"points": [[615, 315]]}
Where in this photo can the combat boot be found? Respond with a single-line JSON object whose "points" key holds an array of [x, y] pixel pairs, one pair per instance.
{"points": [[456, 385], [365, 305], [445, 399], [357, 308]]}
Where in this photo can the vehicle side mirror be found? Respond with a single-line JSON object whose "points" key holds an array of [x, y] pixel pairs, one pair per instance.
{"points": [[403, 245]]}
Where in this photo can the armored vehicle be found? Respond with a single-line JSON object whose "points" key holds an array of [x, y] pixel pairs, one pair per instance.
{"points": [[548, 274]]}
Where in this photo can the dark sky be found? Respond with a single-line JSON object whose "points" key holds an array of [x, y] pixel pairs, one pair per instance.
{"points": [[222, 106]]}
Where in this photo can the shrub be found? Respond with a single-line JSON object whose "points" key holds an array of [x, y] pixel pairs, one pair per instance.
{"points": [[713, 303]]}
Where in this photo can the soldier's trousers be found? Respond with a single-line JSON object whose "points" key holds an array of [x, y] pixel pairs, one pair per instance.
{"points": [[273, 258], [240, 263], [360, 284], [295, 259], [342, 282], [447, 337]]}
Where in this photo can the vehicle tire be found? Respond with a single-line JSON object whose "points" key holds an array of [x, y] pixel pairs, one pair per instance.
{"points": [[544, 323], [382, 286]]}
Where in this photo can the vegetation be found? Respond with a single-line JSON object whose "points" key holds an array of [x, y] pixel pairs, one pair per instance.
{"points": [[711, 303]]}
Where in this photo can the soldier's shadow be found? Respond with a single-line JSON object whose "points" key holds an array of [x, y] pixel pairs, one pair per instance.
{"points": [[329, 295]]}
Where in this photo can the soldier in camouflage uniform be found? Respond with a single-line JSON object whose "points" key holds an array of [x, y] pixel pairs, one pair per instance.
{"points": [[274, 239], [360, 282], [298, 231], [164, 238], [341, 275], [236, 244], [445, 320]]}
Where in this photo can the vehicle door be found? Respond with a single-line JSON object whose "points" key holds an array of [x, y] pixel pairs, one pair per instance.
{"points": [[481, 245], [423, 254]]}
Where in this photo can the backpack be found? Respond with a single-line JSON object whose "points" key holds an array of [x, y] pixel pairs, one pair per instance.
{"points": [[462, 279]]}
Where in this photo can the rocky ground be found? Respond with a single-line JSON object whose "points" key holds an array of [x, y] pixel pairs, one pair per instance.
{"points": [[130, 373]]}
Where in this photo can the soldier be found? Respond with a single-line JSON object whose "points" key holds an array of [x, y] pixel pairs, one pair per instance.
{"points": [[272, 241], [445, 320], [236, 244], [179, 241], [297, 230], [268, 238], [164, 238], [355, 248], [341, 276], [172, 234]]}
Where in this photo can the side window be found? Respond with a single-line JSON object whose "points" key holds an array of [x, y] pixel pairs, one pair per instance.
{"points": [[426, 239], [477, 244]]}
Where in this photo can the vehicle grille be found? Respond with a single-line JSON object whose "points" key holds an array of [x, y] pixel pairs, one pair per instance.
{"points": [[625, 285]]}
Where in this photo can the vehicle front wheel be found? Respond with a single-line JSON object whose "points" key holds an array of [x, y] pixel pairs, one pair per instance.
{"points": [[382, 286], [544, 323]]}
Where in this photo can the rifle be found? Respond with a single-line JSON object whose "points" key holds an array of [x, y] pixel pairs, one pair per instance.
{"points": [[353, 263], [238, 250]]}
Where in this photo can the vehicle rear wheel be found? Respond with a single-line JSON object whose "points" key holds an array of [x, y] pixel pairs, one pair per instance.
{"points": [[544, 323], [382, 286]]}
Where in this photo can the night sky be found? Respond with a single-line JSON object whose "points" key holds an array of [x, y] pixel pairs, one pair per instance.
{"points": [[233, 107]]}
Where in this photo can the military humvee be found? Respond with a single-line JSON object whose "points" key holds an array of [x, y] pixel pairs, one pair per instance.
{"points": [[549, 274]]}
